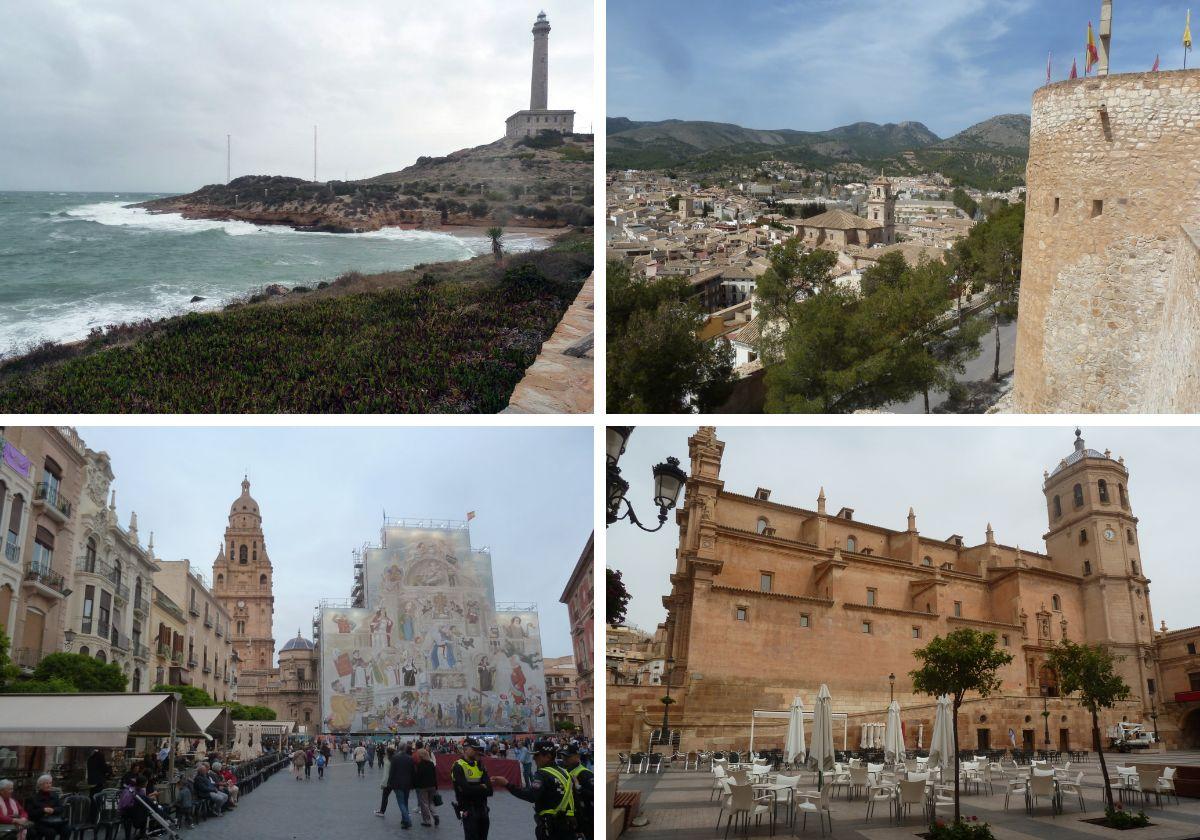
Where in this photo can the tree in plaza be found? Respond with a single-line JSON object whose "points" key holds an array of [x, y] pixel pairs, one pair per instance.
{"points": [[565, 725], [192, 695], [496, 233], [843, 350], [657, 361], [989, 259], [1090, 670], [82, 672], [955, 664], [617, 598], [239, 712]]}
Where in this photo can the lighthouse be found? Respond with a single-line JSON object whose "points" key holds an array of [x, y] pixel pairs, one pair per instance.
{"points": [[539, 117]]}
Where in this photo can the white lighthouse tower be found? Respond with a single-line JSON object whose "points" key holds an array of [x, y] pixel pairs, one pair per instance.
{"points": [[539, 117]]}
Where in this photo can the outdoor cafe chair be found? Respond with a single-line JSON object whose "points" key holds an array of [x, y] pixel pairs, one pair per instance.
{"points": [[78, 808], [1074, 786], [910, 792], [880, 793], [691, 761], [818, 803], [1039, 786], [1166, 783], [637, 763], [791, 783], [858, 780], [654, 763], [1016, 785], [1147, 778], [939, 795], [623, 760], [742, 803]]}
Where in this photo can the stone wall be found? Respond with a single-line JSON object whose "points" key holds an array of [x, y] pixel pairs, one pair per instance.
{"points": [[1114, 170]]}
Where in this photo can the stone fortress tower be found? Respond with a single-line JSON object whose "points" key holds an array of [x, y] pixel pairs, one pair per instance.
{"points": [[1110, 303], [881, 207], [539, 117]]}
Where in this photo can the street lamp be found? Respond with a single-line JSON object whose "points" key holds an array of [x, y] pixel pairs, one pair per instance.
{"points": [[669, 666], [891, 688], [1046, 713], [68, 639], [668, 482], [1154, 717]]}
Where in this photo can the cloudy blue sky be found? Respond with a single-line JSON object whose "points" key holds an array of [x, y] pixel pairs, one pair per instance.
{"points": [[956, 480], [322, 493], [138, 95], [817, 64]]}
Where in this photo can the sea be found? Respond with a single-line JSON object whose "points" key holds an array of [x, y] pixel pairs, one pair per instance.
{"points": [[70, 261]]}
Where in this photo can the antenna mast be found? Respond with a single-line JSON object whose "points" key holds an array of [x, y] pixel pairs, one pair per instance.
{"points": [[227, 147], [314, 153]]}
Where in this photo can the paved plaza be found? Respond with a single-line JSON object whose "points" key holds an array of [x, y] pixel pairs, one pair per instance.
{"points": [[343, 806], [677, 805]]}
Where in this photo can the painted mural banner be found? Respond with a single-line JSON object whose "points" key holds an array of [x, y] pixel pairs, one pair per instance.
{"points": [[430, 652]]}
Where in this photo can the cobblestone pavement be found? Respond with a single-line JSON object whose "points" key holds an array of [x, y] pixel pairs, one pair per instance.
{"points": [[343, 806], [678, 805]]}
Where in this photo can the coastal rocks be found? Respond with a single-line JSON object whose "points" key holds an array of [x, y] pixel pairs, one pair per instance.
{"points": [[275, 289], [195, 299]]}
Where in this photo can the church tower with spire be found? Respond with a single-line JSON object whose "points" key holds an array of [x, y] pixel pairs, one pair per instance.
{"points": [[243, 584], [881, 207]]}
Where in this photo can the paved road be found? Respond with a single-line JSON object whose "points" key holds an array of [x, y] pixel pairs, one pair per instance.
{"points": [[977, 369], [343, 806]]}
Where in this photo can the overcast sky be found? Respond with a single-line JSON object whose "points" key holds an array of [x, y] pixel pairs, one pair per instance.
{"points": [[956, 480], [818, 64], [132, 95], [322, 493]]}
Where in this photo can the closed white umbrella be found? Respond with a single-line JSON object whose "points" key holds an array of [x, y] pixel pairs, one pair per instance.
{"points": [[920, 736], [820, 752], [893, 734], [878, 736], [941, 744], [794, 745]]}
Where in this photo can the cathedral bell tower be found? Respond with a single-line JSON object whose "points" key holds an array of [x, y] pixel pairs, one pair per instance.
{"points": [[242, 582], [881, 207], [1093, 535]]}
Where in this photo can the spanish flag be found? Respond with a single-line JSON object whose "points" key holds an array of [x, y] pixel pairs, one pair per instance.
{"points": [[1093, 57], [1187, 32]]}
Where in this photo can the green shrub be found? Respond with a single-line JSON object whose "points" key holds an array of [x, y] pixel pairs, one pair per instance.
{"points": [[965, 829]]}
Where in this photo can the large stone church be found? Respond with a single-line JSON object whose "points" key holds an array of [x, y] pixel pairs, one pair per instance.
{"points": [[769, 600], [242, 583]]}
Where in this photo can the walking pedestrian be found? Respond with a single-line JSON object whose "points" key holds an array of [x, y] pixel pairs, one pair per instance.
{"points": [[400, 782], [360, 758], [385, 790], [370, 748], [298, 763], [308, 763], [379, 749], [345, 750], [425, 782], [320, 761]]}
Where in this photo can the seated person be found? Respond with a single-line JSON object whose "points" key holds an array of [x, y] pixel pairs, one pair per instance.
{"points": [[206, 788], [46, 811], [11, 811], [227, 783]]}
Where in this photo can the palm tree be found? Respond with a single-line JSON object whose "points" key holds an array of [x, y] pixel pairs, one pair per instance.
{"points": [[496, 233]]}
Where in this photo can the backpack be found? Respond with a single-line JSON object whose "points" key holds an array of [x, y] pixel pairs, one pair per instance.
{"points": [[320, 760], [126, 800]]}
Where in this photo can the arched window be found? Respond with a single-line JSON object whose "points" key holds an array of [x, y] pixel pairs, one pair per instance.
{"points": [[1102, 486], [220, 579], [137, 589], [242, 555], [85, 651], [763, 524], [137, 680], [1134, 564], [926, 560], [117, 574], [89, 555], [1083, 536], [1057, 507], [1124, 498], [851, 543], [1055, 603], [1078, 495], [262, 580], [101, 656]]}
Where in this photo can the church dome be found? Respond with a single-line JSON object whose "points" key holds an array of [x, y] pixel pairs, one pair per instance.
{"points": [[1081, 452], [244, 503], [298, 643]]}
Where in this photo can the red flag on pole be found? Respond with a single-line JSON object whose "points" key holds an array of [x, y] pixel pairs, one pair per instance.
{"points": [[1154, 69], [1074, 69]]}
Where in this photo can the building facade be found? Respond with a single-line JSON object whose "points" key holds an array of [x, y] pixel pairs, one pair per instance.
{"points": [[539, 117], [579, 596], [1179, 684], [109, 605], [756, 577], [169, 627], [208, 655], [40, 535], [562, 694]]}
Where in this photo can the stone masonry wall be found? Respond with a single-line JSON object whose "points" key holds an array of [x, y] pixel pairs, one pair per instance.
{"points": [[1173, 375], [1114, 170]]}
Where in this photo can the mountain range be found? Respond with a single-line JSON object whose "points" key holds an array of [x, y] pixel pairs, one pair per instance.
{"points": [[989, 155]]}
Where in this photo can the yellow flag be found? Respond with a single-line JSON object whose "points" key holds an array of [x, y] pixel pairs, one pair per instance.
{"points": [[1187, 31]]}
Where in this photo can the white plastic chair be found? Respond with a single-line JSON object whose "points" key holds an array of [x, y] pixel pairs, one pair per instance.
{"points": [[1074, 786], [1166, 783], [742, 804], [911, 792], [1016, 785], [880, 793], [817, 803], [1040, 785]]}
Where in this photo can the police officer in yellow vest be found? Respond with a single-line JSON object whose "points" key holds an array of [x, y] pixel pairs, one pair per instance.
{"points": [[584, 793], [472, 787], [552, 793]]}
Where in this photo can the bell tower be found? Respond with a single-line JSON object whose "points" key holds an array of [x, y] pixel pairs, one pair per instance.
{"points": [[1093, 535], [242, 582], [881, 207]]}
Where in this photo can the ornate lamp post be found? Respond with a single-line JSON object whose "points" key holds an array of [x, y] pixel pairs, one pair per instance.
{"points": [[1046, 713], [1154, 717], [68, 639], [891, 688], [667, 669], [668, 482]]}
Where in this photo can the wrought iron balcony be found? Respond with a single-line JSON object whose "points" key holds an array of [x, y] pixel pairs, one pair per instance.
{"points": [[207, 668], [141, 605], [208, 621], [193, 610], [47, 497], [140, 651], [47, 580], [12, 552], [177, 658], [192, 662], [120, 641]]}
